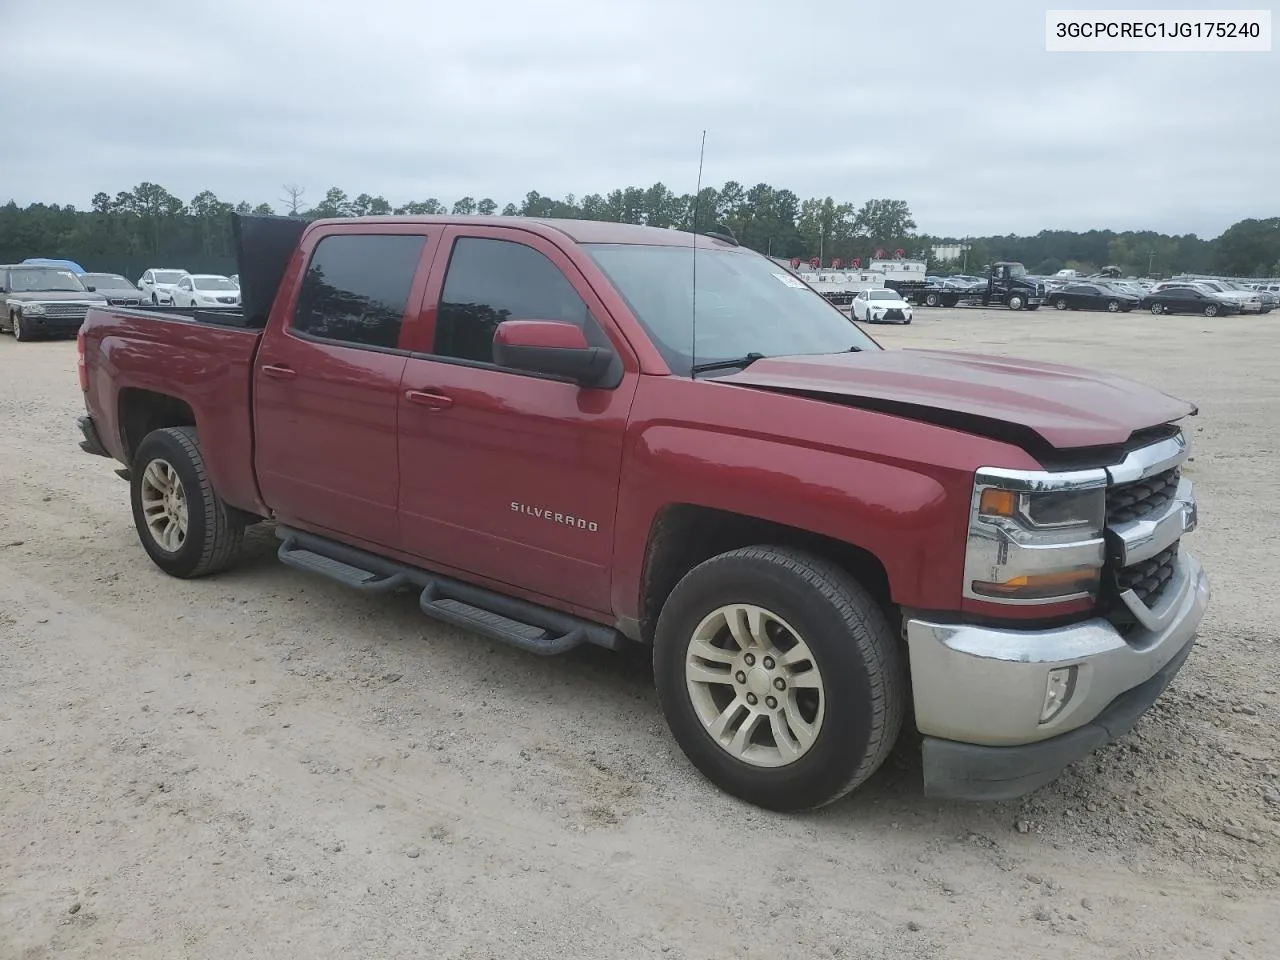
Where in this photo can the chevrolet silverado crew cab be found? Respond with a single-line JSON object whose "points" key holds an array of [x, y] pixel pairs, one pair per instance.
{"points": [[537, 427]]}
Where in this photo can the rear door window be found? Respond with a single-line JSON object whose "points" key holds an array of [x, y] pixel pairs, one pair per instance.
{"points": [[356, 288]]}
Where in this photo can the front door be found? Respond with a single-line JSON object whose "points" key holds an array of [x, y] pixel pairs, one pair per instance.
{"points": [[507, 475], [327, 384]]}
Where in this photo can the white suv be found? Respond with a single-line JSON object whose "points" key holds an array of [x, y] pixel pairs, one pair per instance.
{"points": [[158, 284]]}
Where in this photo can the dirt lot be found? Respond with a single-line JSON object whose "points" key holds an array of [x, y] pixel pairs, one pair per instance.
{"points": [[266, 765]]}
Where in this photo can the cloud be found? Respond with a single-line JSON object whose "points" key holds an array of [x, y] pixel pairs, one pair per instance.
{"points": [[957, 110]]}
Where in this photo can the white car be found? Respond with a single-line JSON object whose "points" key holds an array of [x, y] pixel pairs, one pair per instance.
{"points": [[157, 284], [881, 305], [206, 290]]}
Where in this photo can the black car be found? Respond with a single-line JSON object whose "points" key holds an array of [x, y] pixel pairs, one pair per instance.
{"points": [[1188, 300], [1092, 296], [119, 291]]}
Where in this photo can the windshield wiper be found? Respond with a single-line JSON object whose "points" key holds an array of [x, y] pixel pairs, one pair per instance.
{"points": [[744, 362]]}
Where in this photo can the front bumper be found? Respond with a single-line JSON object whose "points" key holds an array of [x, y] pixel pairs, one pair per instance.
{"points": [[979, 691], [42, 325]]}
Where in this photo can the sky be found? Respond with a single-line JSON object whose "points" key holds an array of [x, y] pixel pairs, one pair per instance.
{"points": [[955, 108]]}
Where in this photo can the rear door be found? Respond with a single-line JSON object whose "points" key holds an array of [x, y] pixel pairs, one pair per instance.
{"points": [[507, 475], [327, 381]]}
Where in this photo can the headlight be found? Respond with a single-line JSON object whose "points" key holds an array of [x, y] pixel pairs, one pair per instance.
{"points": [[33, 309], [1035, 536]]}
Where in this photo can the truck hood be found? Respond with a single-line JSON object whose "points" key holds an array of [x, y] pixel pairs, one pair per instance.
{"points": [[1040, 406]]}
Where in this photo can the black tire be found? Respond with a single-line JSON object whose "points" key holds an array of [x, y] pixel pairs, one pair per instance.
{"points": [[1016, 302], [931, 299], [861, 660], [1113, 306], [1157, 309], [1061, 303], [155, 301], [214, 530], [18, 328], [1210, 310]]}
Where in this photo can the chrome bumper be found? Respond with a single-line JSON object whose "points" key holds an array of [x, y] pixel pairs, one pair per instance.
{"points": [[987, 686], [979, 692]]}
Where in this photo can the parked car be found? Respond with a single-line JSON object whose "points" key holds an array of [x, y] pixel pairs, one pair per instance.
{"points": [[206, 290], [43, 301], [559, 445], [117, 289], [1092, 296], [880, 305], [159, 284], [1267, 300], [1247, 301], [1172, 298]]}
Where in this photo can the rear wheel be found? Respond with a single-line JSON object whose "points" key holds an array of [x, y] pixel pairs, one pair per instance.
{"points": [[1061, 303], [779, 676], [1210, 309], [185, 527], [1157, 309]]}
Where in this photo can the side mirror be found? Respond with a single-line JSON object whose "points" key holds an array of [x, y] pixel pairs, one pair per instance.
{"points": [[550, 347], [91, 289]]}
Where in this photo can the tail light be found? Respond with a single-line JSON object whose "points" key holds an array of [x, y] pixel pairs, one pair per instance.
{"points": [[81, 369]]}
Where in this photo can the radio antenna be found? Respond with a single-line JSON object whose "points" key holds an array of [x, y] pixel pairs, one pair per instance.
{"points": [[697, 205]]}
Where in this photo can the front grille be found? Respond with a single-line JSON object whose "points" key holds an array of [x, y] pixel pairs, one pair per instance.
{"points": [[1129, 501], [1149, 578], [124, 301], [65, 311], [228, 299], [893, 314]]}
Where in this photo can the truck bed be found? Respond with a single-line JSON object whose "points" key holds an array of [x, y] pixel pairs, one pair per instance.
{"points": [[218, 316], [202, 358]]}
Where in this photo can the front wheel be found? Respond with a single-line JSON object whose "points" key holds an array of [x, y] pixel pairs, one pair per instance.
{"points": [[931, 299], [185, 527], [18, 326], [779, 676], [1015, 302]]}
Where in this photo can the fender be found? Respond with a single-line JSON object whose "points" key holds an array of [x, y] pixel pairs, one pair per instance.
{"points": [[896, 488]]}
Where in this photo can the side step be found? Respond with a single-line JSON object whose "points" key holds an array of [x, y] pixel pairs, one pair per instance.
{"points": [[521, 624]]}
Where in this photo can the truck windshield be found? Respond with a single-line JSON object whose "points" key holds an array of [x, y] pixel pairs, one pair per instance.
{"points": [[746, 304], [36, 280], [168, 276]]}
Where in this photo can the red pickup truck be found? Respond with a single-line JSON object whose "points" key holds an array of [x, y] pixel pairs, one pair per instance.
{"points": [[539, 427]]}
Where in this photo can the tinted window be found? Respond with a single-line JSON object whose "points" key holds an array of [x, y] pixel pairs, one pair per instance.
{"points": [[356, 288], [490, 281]]}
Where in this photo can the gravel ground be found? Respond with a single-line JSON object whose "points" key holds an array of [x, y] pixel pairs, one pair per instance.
{"points": [[266, 765]]}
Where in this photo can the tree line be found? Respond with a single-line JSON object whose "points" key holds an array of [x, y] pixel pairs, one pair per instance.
{"points": [[148, 226]]}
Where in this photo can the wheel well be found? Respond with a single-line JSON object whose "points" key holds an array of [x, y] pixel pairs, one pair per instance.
{"points": [[142, 411], [684, 535]]}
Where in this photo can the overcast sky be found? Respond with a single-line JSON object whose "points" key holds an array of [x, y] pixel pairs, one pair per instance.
{"points": [[954, 107]]}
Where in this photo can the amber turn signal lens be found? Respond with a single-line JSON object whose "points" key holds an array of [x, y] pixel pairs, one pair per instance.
{"points": [[998, 503], [1042, 586]]}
